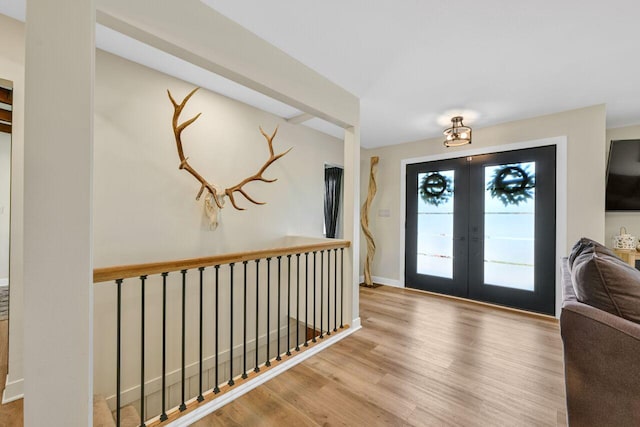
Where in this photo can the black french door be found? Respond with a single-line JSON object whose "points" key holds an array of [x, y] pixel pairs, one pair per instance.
{"points": [[483, 227]]}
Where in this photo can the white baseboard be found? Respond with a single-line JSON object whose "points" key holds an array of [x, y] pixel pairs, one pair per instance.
{"points": [[384, 281], [14, 390], [388, 282], [4, 282], [238, 391], [356, 324]]}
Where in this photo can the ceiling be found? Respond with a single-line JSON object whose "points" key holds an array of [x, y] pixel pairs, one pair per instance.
{"points": [[415, 63]]}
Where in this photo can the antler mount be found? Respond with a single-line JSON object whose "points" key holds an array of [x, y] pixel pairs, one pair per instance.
{"points": [[214, 192]]}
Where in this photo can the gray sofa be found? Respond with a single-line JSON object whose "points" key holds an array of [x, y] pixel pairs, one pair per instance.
{"points": [[601, 362]]}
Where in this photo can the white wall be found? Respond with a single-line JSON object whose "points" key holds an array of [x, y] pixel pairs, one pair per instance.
{"points": [[12, 68], [615, 220], [216, 43], [585, 131], [145, 207], [5, 204], [220, 45]]}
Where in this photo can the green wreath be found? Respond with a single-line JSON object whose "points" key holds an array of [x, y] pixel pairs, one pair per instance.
{"points": [[436, 189], [512, 184]]}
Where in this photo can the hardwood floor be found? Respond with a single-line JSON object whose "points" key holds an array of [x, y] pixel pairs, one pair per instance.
{"points": [[11, 413], [420, 360]]}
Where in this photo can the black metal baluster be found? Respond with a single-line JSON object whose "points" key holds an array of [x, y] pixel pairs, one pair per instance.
{"points": [[118, 348], [288, 305], [244, 324], [297, 302], [200, 396], [268, 362], [341, 287], [335, 289], [306, 299], [142, 283], [257, 369], [163, 415], [314, 297], [216, 389], [231, 382], [328, 292], [183, 406], [278, 358], [321, 294]]}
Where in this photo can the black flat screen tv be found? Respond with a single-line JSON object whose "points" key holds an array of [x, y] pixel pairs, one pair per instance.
{"points": [[623, 176]]}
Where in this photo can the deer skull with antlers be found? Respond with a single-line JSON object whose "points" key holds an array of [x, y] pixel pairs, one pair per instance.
{"points": [[215, 197]]}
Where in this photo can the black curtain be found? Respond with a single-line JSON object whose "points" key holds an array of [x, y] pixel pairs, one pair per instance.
{"points": [[332, 181]]}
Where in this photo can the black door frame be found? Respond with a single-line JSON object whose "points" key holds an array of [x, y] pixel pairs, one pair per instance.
{"points": [[558, 214], [542, 299], [458, 285]]}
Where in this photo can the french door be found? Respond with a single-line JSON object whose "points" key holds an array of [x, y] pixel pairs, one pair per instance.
{"points": [[483, 227]]}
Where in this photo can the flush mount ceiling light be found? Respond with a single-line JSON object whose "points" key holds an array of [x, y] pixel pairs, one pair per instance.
{"points": [[458, 134]]}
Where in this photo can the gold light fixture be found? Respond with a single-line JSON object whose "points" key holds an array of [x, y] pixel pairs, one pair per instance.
{"points": [[458, 134]]}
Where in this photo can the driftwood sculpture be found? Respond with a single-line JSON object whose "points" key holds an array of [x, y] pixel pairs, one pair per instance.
{"points": [[215, 197], [364, 222]]}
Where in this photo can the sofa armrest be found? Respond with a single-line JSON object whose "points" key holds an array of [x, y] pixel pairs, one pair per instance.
{"points": [[606, 319], [602, 366]]}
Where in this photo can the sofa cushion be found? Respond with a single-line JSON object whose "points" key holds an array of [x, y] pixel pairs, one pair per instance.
{"points": [[586, 244], [607, 283]]}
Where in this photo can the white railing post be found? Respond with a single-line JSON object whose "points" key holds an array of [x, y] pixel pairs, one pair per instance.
{"points": [[351, 223], [58, 296]]}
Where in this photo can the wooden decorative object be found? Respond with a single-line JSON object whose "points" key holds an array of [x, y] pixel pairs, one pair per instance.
{"points": [[214, 200], [630, 256], [364, 222]]}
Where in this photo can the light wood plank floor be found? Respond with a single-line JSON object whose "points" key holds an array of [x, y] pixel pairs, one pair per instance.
{"points": [[10, 414], [420, 360]]}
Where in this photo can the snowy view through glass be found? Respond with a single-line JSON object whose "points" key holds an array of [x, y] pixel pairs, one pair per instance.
{"points": [[508, 232], [509, 236], [435, 232]]}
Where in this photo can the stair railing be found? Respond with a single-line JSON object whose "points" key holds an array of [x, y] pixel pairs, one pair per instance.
{"points": [[318, 276]]}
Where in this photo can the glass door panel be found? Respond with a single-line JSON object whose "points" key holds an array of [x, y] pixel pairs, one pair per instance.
{"points": [[509, 225], [512, 229], [435, 223], [436, 252]]}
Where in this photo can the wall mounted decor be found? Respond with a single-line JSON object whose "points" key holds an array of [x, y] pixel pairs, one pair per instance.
{"points": [[364, 222], [215, 197], [435, 189], [512, 184]]}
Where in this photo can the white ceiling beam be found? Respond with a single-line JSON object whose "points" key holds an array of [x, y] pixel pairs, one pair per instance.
{"points": [[301, 118], [215, 43]]}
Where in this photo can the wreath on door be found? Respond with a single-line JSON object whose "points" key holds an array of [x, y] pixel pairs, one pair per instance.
{"points": [[436, 189], [512, 184]]}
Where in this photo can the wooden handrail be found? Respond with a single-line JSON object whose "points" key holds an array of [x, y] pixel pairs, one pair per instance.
{"points": [[137, 270]]}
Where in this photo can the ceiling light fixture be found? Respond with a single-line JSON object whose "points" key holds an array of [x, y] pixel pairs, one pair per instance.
{"points": [[458, 134]]}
